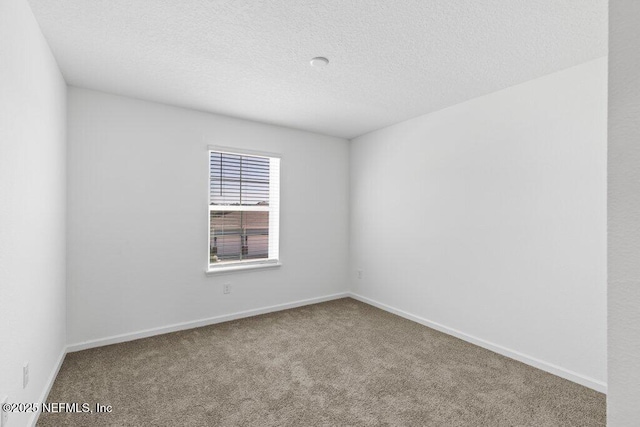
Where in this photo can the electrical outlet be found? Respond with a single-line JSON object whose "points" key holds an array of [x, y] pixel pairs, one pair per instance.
{"points": [[360, 274], [226, 288], [4, 415], [25, 375]]}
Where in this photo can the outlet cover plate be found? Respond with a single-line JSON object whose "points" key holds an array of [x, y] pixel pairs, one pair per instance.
{"points": [[25, 375]]}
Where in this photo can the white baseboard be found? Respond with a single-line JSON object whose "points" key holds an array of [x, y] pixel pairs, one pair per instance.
{"points": [[48, 385], [516, 355], [198, 323]]}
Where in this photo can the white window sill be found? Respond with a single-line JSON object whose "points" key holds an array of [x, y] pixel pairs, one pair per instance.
{"points": [[231, 267]]}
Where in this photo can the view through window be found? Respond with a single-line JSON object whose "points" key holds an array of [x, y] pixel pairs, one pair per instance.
{"points": [[243, 208]]}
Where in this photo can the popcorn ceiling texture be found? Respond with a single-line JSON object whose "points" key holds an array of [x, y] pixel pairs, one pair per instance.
{"points": [[341, 363], [390, 60]]}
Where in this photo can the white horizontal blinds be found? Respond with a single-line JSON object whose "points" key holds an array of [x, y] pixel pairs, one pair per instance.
{"points": [[238, 235], [238, 180], [225, 232], [244, 200]]}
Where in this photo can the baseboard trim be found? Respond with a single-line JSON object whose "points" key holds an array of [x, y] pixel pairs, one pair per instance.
{"points": [[512, 354], [45, 393], [198, 323]]}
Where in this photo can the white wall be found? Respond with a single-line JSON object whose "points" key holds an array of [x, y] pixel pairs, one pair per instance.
{"points": [[624, 214], [32, 207], [489, 218], [138, 216]]}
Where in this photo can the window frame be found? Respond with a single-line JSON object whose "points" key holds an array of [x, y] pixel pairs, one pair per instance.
{"points": [[250, 264]]}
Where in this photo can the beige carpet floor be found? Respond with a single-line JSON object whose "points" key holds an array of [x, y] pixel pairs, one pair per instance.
{"points": [[340, 363]]}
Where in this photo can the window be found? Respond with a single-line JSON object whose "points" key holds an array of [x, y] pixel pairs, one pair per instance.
{"points": [[244, 202]]}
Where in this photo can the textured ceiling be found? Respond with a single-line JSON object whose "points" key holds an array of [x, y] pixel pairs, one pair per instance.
{"points": [[390, 60]]}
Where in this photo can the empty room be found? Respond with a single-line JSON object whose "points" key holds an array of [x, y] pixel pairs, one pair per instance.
{"points": [[319, 213]]}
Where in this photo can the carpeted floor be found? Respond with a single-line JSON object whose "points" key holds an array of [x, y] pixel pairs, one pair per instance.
{"points": [[340, 363]]}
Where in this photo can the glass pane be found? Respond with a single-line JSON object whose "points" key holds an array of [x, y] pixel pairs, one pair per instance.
{"points": [[238, 180], [256, 231], [237, 235]]}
